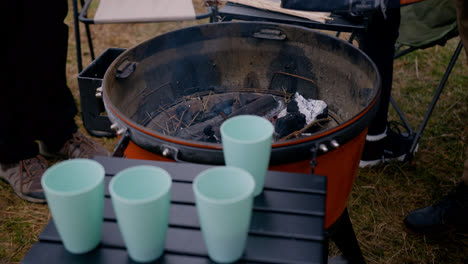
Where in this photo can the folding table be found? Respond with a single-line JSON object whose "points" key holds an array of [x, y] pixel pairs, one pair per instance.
{"points": [[286, 226]]}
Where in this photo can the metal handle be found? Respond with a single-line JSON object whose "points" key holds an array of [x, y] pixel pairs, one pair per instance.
{"points": [[270, 33], [125, 69], [171, 152]]}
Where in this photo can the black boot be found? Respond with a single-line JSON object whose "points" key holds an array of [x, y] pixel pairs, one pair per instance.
{"points": [[450, 215]]}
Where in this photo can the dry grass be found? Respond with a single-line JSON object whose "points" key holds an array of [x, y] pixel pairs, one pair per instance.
{"points": [[20, 224], [381, 197]]}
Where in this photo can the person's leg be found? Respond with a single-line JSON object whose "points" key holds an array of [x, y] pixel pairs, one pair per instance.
{"points": [[462, 19], [44, 108], [378, 42], [383, 143], [449, 215], [20, 164], [36, 103], [49, 100]]}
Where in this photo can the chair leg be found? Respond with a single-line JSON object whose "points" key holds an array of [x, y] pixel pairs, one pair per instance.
{"points": [[401, 115], [88, 35], [352, 37], [77, 36], [435, 98], [90, 42], [342, 234]]}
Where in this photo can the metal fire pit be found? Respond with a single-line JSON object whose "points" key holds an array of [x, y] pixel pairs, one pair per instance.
{"points": [[222, 57]]}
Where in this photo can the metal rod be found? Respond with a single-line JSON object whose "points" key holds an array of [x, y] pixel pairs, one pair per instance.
{"points": [[204, 15], [214, 17], [88, 34], [77, 36], [404, 52], [122, 145], [402, 116], [436, 97], [352, 37], [83, 17]]}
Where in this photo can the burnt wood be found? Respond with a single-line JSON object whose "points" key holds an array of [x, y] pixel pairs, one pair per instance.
{"points": [[258, 107]]}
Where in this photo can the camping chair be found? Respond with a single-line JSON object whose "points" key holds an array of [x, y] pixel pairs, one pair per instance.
{"points": [[423, 25], [129, 11]]}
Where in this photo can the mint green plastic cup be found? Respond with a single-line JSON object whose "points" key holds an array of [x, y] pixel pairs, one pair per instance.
{"points": [[141, 199], [224, 200], [74, 190], [246, 141]]}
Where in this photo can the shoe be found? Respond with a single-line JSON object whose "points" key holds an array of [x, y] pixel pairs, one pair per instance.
{"points": [[25, 178], [392, 145], [79, 146], [449, 215]]}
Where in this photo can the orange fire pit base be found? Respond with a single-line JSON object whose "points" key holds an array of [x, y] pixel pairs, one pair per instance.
{"points": [[339, 166]]}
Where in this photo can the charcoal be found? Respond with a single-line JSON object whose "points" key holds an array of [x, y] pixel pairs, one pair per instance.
{"points": [[289, 123], [292, 107], [210, 140], [243, 99], [247, 98], [181, 109], [202, 117], [197, 130], [208, 131], [236, 105], [216, 102], [224, 107], [256, 107], [323, 114], [273, 113], [183, 114]]}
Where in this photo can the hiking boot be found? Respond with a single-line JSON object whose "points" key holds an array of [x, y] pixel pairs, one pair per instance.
{"points": [[392, 145], [25, 178], [79, 146], [449, 215]]}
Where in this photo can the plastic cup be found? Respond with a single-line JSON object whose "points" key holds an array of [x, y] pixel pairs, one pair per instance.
{"points": [[224, 200], [74, 190], [141, 199], [246, 143]]}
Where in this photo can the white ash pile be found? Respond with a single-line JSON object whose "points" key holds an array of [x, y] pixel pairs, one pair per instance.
{"points": [[299, 114]]}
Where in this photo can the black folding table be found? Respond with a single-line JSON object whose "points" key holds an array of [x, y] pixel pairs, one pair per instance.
{"points": [[286, 227]]}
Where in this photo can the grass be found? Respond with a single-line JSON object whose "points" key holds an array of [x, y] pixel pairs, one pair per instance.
{"points": [[381, 197]]}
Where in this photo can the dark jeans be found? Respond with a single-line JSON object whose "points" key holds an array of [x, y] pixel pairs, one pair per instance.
{"points": [[35, 102], [378, 42]]}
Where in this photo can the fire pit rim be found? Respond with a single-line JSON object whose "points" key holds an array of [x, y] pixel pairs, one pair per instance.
{"points": [[218, 146]]}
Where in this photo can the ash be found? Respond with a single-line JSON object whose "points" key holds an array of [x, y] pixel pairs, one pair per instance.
{"points": [[310, 108], [299, 117]]}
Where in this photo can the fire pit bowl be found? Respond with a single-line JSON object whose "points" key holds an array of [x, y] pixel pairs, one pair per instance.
{"points": [[249, 58]]}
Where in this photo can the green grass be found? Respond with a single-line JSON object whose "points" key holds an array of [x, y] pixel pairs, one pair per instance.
{"points": [[381, 196]]}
